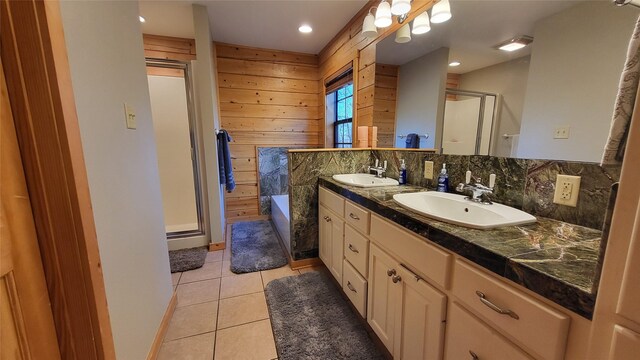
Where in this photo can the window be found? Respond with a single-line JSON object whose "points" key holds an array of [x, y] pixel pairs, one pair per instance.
{"points": [[342, 133]]}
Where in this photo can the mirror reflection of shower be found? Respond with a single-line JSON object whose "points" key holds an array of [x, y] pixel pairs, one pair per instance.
{"points": [[469, 121]]}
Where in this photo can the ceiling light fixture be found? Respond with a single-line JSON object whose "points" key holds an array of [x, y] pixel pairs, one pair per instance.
{"points": [[421, 24], [441, 12], [368, 27], [400, 7], [142, 19], [514, 44], [305, 29], [383, 15], [403, 35], [455, 63]]}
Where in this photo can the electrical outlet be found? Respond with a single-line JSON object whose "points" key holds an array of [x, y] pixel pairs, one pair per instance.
{"points": [[561, 132], [567, 190], [428, 169], [130, 116]]}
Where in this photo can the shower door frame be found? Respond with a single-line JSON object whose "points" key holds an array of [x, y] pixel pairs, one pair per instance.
{"points": [[483, 97], [193, 137]]}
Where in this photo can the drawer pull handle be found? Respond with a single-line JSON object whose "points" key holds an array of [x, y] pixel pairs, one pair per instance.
{"points": [[353, 216], [495, 307], [473, 355], [351, 287], [396, 279], [391, 272], [353, 249], [327, 219]]}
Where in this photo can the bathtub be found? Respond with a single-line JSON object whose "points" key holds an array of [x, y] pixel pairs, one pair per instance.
{"points": [[280, 217]]}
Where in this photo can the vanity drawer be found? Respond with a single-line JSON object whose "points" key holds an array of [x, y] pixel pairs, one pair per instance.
{"points": [[470, 338], [539, 328], [414, 251], [356, 249], [332, 201], [355, 286], [357, 217]]}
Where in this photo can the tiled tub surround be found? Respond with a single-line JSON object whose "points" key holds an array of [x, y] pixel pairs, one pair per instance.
{"points": [[552, 258], [272, 174]]}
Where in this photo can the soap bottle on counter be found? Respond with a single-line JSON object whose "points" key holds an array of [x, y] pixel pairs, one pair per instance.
{"points": [[443, 179], [402, 180]]}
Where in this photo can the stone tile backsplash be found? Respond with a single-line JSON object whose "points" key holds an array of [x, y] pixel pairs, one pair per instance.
{"points": [[273, 175]]}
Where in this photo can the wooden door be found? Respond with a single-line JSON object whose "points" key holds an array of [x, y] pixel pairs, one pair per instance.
{"points": [[382, 295], [420, 316], [26, 322], [337, 246]]}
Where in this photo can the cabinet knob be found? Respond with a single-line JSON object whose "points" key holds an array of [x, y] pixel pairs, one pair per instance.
{"points": [[327, 219], [473, 355], [391, 272], [396, 279]]}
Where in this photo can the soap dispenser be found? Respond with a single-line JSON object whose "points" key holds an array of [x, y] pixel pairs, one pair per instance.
{"points": [[402, 180], [443, 180]]}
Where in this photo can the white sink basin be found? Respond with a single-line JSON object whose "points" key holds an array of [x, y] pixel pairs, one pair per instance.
{"points": [[455, 209], [364, 180]]}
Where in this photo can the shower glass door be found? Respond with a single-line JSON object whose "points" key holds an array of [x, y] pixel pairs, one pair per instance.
{"points": [[469, 118], [176, 142]]}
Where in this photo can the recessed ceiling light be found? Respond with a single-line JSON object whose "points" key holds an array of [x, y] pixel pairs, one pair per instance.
{"points": [[455, 63], [141, 18], [305, 29], [514, 44]]}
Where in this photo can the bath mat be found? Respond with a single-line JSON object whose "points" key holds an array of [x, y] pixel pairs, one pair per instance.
{"points": [[255, 247], [311, 320], [187, 259]]}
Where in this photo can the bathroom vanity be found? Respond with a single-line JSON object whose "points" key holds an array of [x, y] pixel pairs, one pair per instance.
{"points": [[431, 290]]}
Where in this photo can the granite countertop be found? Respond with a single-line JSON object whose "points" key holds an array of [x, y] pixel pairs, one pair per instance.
{"points": [[552, 258]]}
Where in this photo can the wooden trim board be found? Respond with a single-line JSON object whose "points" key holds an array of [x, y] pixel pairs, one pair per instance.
{"points": [[360, 149], [304, 263], [217, 246], [164, 326]]}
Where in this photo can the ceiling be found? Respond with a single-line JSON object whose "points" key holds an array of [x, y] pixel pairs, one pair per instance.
{"points": [[265, 24], [473, 31]]}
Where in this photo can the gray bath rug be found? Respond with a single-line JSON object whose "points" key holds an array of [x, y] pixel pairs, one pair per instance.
{"points": [[255, 247], [187, 259], [311, 320]]}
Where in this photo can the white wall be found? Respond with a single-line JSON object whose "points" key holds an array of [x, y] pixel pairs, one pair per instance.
{"points": [[173, 140], [578, 56], [106, 57], [509, 79], [420, 105]]}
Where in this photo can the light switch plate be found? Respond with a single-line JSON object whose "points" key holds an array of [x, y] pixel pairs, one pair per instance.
{"points": [[567, 190], [428, 169], [561, 132], [130, 116]]}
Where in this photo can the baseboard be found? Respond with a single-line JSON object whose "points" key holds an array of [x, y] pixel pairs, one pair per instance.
{"points": [[248, 218], [187, 242], [164, 325], [304, 263], [217, 246]]}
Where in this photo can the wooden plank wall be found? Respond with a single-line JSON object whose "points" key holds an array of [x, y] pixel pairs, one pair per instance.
{"points": [[267, 98], [384, 103], [170, 48], [453, 82]]}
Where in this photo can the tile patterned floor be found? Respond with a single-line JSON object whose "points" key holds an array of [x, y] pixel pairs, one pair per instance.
{"points": [[221, 315]]}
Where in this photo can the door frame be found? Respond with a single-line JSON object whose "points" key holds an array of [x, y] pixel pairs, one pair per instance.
{"points": [[42, 101]]}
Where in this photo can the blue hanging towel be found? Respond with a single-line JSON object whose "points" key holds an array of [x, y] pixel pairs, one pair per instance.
{"points": [[224, 160], [413, 141]]}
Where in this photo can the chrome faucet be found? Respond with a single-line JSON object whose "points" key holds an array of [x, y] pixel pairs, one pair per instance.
{"points": [[479, 193], [380, 170]]}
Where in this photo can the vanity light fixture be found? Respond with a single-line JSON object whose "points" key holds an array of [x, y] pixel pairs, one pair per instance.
{"points": [[141, 18], [383, 15], [421, 24], [403, 35], [455, 63], [305, 29], [368, 27], [514, 44], [441, 12], [400, 7]]}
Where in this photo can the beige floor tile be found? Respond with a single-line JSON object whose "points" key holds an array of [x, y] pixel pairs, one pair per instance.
{"points": [[210, 270], [248, 342], [227, 253], [214, 256], [192, 320], [198, 292], [199, 347], [278, 273], [226, 268], [242, 309], [175, 277], [240, 285]]}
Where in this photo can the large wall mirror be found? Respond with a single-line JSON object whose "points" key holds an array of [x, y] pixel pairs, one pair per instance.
{"points": [[552, 99]]}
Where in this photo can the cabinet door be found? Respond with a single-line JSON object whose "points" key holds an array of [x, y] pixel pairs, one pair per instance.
{"points": [[470, 338], [337, 247], [382, 295], [324, 235], [420, 317]]}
